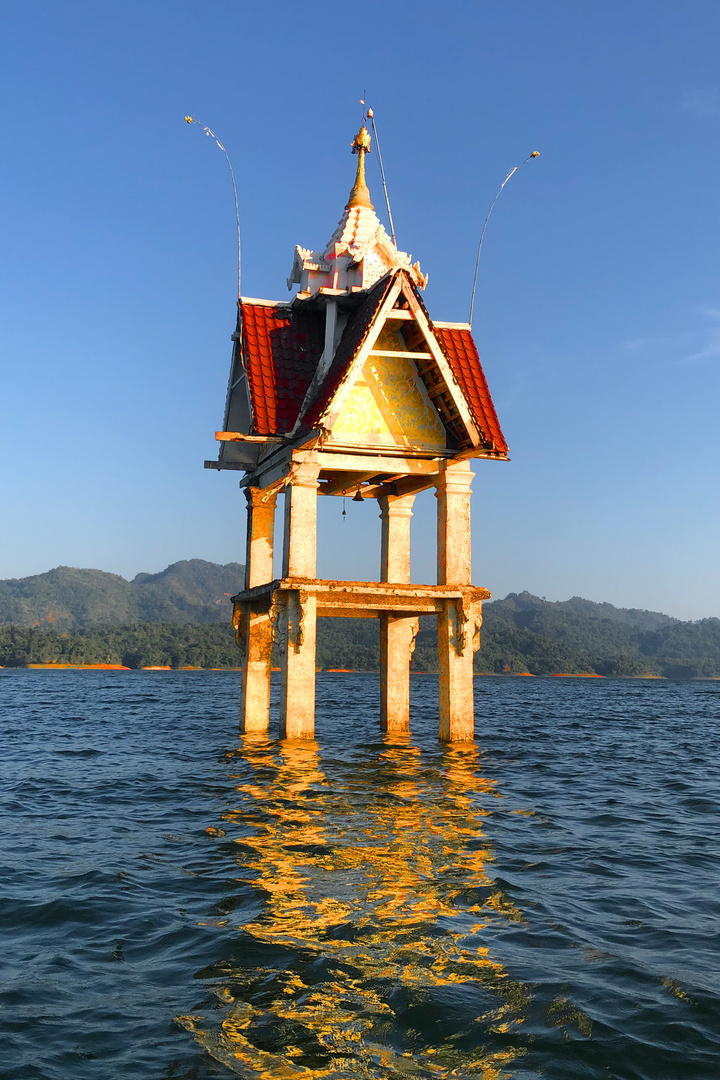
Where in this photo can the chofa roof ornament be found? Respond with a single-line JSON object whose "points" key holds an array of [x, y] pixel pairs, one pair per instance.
{"points": [[359, 252], [360, 196]]}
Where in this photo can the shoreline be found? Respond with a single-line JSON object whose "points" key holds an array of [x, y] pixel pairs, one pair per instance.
{"points": [[351, 671]]}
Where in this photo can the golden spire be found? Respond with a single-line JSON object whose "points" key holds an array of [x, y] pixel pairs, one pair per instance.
{"points": [[360, 196]]}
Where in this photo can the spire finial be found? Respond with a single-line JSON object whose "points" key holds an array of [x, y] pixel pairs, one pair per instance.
{"points": [[360, 196]]}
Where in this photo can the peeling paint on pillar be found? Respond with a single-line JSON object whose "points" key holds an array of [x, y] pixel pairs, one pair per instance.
{"points": [[397, 633], [298, 615], [257, 636], [455, 653]]}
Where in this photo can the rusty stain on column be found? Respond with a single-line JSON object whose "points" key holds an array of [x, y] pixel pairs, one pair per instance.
{"points": [[257, 643], [455, 630], [298, 612], [397, 632]]}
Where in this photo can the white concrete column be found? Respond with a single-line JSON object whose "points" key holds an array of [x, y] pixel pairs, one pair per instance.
{"points": [[260, 531], [397, 633], [455, 653], [300, 540], [257, 640], [298, 614], [255, 679], [395, 515], [297, 636], [397, 641], [452, 490]]}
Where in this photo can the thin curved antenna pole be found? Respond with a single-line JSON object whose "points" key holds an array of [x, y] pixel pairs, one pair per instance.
{"points": [[371, 118], [211, 133], [535, 153]]}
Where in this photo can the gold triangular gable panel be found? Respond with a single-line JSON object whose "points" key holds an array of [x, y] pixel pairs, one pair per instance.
{"points": [[387, 403], [401, 414], [455, 393]]}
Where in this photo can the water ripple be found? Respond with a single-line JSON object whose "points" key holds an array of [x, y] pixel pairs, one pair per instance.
{"points": [[543, 904]]}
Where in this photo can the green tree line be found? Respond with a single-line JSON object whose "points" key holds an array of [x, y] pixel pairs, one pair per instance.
{"points": [[520, 633]]}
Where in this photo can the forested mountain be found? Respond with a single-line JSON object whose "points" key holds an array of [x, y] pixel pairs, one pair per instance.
{"points": [[641, 620], [525, 633], [159, 619], [191, 591]]}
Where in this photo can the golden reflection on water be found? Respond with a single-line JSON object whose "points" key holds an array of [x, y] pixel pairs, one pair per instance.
{"points": [[369, 945]]}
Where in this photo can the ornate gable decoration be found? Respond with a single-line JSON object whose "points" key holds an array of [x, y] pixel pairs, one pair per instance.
{"points": [[396, 379], [353, 363], [359, 252]]}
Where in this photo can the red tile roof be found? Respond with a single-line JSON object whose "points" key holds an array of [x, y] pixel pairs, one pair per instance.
{"points": [[462, 355], [282, 347], [281, 350]]}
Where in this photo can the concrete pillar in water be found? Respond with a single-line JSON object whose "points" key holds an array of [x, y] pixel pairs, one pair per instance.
{"points": [[257, 643], [455, 652], [397, 632], [297, 615]]}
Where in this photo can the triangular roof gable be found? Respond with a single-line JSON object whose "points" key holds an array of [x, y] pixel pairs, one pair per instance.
{"points": [[458, 347], [354, 337], [457, 392]]}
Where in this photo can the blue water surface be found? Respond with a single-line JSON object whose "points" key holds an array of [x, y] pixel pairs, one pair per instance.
{"points": [[178, 902]]}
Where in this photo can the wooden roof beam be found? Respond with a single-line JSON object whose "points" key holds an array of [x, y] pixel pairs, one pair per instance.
{"points": [[346, 483], [407, 485], [401, 355], [238, 436]]}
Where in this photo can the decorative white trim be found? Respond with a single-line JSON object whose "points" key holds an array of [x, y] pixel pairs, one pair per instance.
{"points": [[264, 303]]}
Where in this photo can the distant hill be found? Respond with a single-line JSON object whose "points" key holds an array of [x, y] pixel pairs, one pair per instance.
{"points": [[67, 598], [525, 633], [158, 619], [636, 617]]}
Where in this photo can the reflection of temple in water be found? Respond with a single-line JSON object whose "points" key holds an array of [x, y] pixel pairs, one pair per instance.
{"points": [[351, 389], [365, 955]]}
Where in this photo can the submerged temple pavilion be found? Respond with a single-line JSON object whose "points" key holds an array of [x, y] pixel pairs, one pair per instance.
{"points": [[351, 389]]}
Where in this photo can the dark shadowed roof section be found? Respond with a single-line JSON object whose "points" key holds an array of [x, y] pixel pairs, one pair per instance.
{"points": [[354, 335], [281, 350]]}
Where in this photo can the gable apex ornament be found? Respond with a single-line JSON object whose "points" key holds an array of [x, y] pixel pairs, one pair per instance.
{"points": [[359, 252], [360, 195]]}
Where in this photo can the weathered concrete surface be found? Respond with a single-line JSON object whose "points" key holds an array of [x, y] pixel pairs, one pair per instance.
{"points": [[297, 630], [343, 598], [455, 654], [286, 610], [260, 530], [395, 515], [256, 642], [397, 634], [397, 641], [452, 490], [255, 680], [297, 618], [300, 539]]}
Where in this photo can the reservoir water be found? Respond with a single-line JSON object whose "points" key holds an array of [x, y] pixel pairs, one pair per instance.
{"points": [[177, 902]]}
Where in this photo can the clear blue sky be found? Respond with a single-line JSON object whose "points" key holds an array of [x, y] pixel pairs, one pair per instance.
{"points": [[598, 310]]}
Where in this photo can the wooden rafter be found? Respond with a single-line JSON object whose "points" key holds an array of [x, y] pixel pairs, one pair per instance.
{"points": [[346, 483]]}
